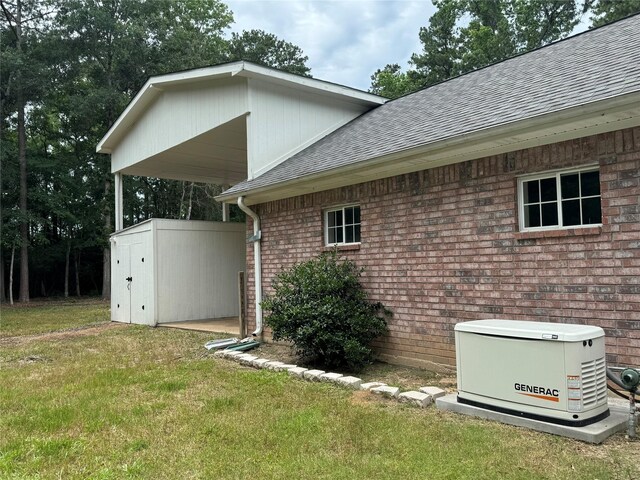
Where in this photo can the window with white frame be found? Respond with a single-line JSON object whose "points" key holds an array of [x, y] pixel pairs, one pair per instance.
{"points": [[560, 199], [342, 225]]}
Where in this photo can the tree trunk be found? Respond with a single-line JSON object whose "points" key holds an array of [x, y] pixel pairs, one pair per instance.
{"points": [[76, 259], [145, 215], [190, 202], [106, 273], [66, 271], [3, 295], [13, 256], [181, 206], [106, 252], [22, 160]]}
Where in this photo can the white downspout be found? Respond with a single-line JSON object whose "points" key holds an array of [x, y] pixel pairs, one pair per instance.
{"points": [[257, 263]]}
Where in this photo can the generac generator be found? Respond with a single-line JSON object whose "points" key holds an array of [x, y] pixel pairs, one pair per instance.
{"points": [[545, 371]]}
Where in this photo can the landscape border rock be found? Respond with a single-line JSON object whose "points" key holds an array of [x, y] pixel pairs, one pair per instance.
{"points": [[423, 398]]}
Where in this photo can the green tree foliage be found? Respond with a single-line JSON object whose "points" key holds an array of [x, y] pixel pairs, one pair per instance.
{"points": [[464, 35], [605, 11], [23, 83], [112, 47], [78, 64], [321, 307], [392, 82], [440, 56], [266, 49]]}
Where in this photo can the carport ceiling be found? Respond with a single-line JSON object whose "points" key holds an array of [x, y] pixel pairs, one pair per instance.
{"points": [[217, 156]]}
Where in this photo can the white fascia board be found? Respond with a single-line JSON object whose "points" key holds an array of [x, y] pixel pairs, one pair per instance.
{"points": [[582, 120], [197, 74], [252, 70]]}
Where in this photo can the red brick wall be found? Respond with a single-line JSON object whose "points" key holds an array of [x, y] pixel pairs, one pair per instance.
{"points": [[442, 246]]}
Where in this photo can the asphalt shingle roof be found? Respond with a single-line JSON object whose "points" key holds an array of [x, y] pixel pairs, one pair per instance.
{"points": [[592, 66]]}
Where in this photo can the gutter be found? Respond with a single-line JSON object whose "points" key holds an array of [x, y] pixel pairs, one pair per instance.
{"points": [[257, 263], [452, 149]]}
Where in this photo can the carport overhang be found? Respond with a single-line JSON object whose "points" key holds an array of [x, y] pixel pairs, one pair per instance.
{"points": [[178, 127], [217, 156], [213, 155]]}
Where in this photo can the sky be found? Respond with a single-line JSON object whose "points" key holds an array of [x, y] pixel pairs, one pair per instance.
{"points": [[346, 40]]}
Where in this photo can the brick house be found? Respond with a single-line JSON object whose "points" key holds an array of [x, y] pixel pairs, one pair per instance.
{"points": [[511, 192]]}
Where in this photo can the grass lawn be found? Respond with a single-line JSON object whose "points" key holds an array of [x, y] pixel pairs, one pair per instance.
{"points": [[113, 402], [42, 317]]}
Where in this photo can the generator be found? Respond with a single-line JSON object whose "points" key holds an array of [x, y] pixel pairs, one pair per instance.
{"points": [[552, 372]]}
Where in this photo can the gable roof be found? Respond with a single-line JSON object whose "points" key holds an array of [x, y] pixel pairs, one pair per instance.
{"points": [[600, 65], [154, 87]]}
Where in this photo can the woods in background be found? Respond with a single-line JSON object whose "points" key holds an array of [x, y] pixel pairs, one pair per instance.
{"points": [[464, 35], [69, 67]]}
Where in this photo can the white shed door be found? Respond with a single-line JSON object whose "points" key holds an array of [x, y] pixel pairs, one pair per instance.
{"points": [[128, 279], [137, 287], [122, 285]]}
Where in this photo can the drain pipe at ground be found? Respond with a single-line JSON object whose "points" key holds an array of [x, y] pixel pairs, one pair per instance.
{"points": [[257, 263]]}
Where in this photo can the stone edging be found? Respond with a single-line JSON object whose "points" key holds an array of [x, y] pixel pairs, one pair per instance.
{"points": [[422, 398]]}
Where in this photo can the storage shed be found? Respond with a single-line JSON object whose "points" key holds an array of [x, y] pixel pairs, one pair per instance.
{"points": [[221, 125], [176, 270]]}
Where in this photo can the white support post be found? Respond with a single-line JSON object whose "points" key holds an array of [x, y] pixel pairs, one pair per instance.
{"points": [[225, 206], [118, 200], [225, 212]]}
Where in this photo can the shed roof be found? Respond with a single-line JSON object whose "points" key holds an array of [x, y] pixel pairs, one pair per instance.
{"points": [[589, 68]]}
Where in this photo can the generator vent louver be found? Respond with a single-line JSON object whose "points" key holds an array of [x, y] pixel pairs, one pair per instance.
{"points": [[594, 382]]}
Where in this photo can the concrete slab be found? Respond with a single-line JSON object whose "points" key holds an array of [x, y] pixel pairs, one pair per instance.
{"points": [[214, 325], [594, 433]]}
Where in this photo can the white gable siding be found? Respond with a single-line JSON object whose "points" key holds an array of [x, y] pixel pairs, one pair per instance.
{"points": [[178, 115], [285, 120]]}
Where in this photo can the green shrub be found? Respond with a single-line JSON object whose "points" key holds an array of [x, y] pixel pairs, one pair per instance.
{"points": [[321, 307]]}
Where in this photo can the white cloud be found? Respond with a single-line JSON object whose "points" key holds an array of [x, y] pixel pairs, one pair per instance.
{"points": [[345, 40]]}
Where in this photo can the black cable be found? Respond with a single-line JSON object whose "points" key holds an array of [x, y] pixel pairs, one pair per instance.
{"points": [[620, 394]]}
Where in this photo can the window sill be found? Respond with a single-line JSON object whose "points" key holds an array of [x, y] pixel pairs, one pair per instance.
{"points": [[565, 232], [342, 248]]}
